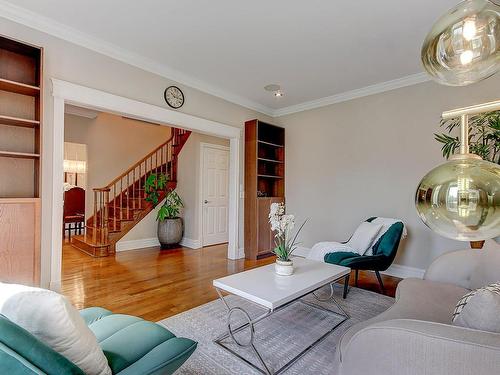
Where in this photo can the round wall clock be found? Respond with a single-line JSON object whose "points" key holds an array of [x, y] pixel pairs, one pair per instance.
{"points": [[174, 97]]}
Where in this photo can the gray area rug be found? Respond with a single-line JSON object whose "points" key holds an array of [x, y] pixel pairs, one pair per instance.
{"points": [[279, 337]]}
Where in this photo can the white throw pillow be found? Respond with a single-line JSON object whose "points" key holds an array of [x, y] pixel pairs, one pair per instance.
{"points": [[479, 309], [363, 237], [53, 320]]}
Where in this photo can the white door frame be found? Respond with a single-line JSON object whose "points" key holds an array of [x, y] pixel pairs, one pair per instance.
{"points": [[204, 145], [69, 93]]}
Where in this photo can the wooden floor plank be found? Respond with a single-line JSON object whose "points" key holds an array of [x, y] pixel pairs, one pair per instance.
{"points": [[155, 284]]}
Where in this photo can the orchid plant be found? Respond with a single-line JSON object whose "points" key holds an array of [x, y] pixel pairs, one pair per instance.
{"points": [[282, 225]]}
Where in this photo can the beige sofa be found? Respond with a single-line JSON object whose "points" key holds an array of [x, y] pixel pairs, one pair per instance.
{"points": [[415, 335]]}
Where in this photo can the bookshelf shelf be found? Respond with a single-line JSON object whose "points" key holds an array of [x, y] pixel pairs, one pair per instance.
{"points": [[18, 87]]}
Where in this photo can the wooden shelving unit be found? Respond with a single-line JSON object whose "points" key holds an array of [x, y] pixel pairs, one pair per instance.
{"points": [[264, 183], [16, 121], [21, 90]]}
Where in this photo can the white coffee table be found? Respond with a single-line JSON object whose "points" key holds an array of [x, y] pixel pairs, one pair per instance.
{"points": [[273, 292]]}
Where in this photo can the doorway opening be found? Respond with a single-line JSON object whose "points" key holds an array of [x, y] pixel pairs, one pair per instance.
{"points": [[76, 95]]}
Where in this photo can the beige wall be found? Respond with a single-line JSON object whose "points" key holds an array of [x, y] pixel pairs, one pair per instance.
{"points": [[365, 157], [69, 62], [114, 144]]}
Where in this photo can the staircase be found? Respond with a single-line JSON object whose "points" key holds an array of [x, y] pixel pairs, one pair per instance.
{"points": [[120, 205]]}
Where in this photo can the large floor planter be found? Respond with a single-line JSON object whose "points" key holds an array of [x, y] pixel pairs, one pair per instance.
{"points": [[170, 232]]}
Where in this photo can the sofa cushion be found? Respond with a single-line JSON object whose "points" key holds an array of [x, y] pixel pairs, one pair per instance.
{"points": [[416, 299], [479, 309], [133, 345], [19, 349], [53, 320]]}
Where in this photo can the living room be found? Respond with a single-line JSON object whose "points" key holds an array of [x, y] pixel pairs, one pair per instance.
{"points": [[344, 119]]}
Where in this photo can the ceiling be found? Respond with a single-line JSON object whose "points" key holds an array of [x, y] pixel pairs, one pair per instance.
{"points": [[314, 49]]}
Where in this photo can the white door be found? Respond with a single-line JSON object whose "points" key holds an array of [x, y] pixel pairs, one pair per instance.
{"points": [[215, 200]]}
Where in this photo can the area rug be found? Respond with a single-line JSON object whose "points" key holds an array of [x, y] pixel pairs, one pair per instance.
{"points": [[278, 338]]}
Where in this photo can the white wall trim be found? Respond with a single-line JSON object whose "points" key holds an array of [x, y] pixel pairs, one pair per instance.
{"points": [[70, 93], [137, 244], [404, 272], [241, 253], [192, 244], [49, 26], [354, 94], [80, 111]]}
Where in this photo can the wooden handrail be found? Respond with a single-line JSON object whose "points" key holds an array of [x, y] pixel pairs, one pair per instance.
{"points": [[140, 161]]}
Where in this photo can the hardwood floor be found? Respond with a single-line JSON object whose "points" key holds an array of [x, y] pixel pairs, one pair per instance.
{"points": [[155, 284]]}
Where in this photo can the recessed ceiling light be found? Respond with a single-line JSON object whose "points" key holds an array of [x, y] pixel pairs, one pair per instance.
{"points": [[272, 87]]}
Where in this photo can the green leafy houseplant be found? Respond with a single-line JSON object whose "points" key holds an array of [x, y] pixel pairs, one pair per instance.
{"points": [[155, 183], [484, 136], [171, 207]]}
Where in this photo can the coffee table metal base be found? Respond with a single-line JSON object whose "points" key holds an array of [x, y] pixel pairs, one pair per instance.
{"points": [[263, 366]]}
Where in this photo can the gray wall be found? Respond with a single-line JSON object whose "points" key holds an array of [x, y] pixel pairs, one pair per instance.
{"points": [[365, 157]]}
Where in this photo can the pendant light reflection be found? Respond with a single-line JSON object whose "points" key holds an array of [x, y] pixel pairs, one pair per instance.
{"points": [[460, 199], [463, 46]]}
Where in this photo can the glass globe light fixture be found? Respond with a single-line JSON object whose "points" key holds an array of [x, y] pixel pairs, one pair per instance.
{"points": [[460, 199], [463, 46]]}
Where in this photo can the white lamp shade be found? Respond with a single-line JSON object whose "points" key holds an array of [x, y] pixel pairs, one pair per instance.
{"points": [[75, 166]]}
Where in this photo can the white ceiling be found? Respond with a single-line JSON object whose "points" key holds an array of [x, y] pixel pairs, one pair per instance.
{"points": [[313, 49]]}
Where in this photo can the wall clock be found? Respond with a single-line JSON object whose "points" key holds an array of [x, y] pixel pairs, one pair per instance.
{"points": [[174, 97]]}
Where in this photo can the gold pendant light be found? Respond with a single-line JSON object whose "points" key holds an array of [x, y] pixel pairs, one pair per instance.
{"points": [[460, 199], [463, 46]]}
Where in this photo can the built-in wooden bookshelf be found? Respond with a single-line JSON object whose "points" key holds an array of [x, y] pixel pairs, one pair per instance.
{"points": [[264, 183], [21, 90]]}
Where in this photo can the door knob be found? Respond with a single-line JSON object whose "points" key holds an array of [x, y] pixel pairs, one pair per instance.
{"points": [[205, 201]]}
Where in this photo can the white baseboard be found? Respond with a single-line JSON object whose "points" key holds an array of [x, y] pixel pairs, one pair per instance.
{"points": [[192, 244], [137, 244], [404, 272]]}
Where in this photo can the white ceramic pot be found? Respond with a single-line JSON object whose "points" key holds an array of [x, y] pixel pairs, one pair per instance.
{"points": [[283, 268]]}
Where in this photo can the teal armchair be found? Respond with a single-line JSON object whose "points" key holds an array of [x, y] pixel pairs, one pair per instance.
{"points": [[131, 345], [384, 252]]}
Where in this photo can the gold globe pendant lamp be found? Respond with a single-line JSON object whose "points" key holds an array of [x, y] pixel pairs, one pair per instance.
{"points": [[460, 199], [463, 46]]}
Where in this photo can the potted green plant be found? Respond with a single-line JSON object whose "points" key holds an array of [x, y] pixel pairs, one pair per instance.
{"points": [[170, 225], [484, 140]]}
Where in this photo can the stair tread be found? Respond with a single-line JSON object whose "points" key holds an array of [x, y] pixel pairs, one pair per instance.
{"points": [[91, 240]]}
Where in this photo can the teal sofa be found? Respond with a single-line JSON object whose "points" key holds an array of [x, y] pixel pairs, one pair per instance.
{"points": [[131, 345], [384, 252]]}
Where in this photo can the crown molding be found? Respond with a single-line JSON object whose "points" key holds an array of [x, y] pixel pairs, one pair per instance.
{"points": [[49, 26], [46, 25], [354, 94]]}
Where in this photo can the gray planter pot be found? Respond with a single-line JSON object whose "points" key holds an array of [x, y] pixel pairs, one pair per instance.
{"points": [[170, 232]]}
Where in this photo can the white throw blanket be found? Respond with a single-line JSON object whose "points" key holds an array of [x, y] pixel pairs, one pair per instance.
{"points": [[319, 250]]}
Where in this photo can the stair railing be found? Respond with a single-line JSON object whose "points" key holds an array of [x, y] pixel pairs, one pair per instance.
{"points": [[126, 192]]}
